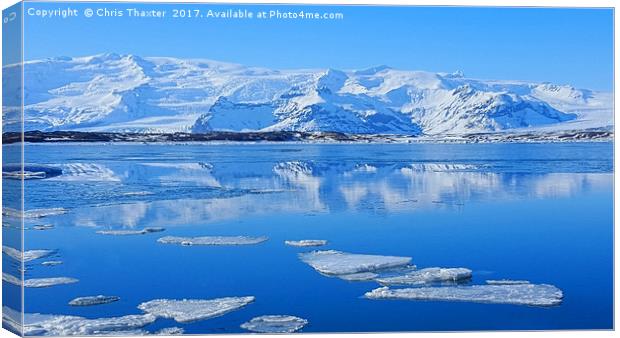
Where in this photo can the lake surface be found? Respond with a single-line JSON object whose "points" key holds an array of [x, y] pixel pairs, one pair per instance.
{"points": [[540, 212]]}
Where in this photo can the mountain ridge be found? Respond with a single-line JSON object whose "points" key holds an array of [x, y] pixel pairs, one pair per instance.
{"points": [[129, 93]]}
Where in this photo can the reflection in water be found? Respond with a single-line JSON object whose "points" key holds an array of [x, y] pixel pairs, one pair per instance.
{"points": [[309, 187]]}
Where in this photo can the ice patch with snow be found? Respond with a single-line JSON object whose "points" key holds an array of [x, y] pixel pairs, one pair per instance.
{"points": [[275, 324], [517, 294], [93, 300], [130, 232], [190, 310], [306, 242], [427, 275], [212, 240], [333, 262], [60, 325], [26, 256]]}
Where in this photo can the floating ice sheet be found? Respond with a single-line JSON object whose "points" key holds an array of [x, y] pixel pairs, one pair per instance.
{"points": [[519, 294], [189, 310], [333, 262], [506, 282], [37, 282], [33, 213], [275, 324], [28, 255], [130, 232], [170, 331], [60, 325], [51, 263], [307, 242], [427, 275], [212, 240], [43, 227], [93, 300], [358, 277]]}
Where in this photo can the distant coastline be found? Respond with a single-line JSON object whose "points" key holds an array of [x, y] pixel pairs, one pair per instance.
{"points": [[594, 135]]}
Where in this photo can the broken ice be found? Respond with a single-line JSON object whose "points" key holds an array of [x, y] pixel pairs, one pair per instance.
{"points": [[275, 324], [428, 275], [518, 294], [93, 300], [38, 282], [189, 310], [169, 331], [27, 255], [307, 242], [130, 232], [358, 277], [34, 213], [212, 240], [506, 282], [60, 325], [333, 262]]}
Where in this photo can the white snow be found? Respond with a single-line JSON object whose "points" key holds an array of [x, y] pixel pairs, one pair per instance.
{"points": [[333, 262], [519, 294], [275, 324], [427, 275], [212, 240], [190, 310], [306, 242], [111, 92]]}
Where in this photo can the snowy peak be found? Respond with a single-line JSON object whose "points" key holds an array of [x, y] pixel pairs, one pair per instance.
{"points": [[112, 92]]}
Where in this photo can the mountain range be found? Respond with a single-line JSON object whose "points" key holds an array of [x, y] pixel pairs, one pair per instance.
{"points": [[128, 93]]}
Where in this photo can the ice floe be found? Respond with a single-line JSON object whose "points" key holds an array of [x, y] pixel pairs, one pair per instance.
{"points": [[169, 331], [51, 263], [29, 171], [60, 325], [33, 213], [275, 324], [37, 282], [358, 277], [27, 255], [93, 300], [427, 275], [333, 262], [131, 232], [212, 240], [307, 242], [190, 310], [43, 227], [506, 282], [518, 294]]}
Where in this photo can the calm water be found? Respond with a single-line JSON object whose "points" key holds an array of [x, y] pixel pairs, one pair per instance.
{"points": [[541, 212]]}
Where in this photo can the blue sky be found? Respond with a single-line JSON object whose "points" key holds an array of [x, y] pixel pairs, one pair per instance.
{"points": [[565, 46]]}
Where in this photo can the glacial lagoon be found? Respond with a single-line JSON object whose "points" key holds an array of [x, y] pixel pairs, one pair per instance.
{"points": [[508, 213]]}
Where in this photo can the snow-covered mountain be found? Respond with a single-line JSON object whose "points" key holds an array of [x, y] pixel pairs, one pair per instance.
{"points": [[127, 93]]}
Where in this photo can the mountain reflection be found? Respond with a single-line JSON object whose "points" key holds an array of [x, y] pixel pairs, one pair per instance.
{"points": [[199, 193]]}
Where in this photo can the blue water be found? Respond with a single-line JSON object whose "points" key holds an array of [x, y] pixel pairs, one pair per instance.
{"points": [[541, 212]]}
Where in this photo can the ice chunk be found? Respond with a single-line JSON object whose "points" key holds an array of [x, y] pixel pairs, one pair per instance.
{"points": [[189, 310], [275, 324], [43, 227], [27, 256], [93, 300], [131, 232], [428, 275], [37, 282], [506, 282], [212, 240], [34, 213], [333, 262], [358, 277], [169, 331], [307, 242], [519, 294], [51, 263], [60, 325]]}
